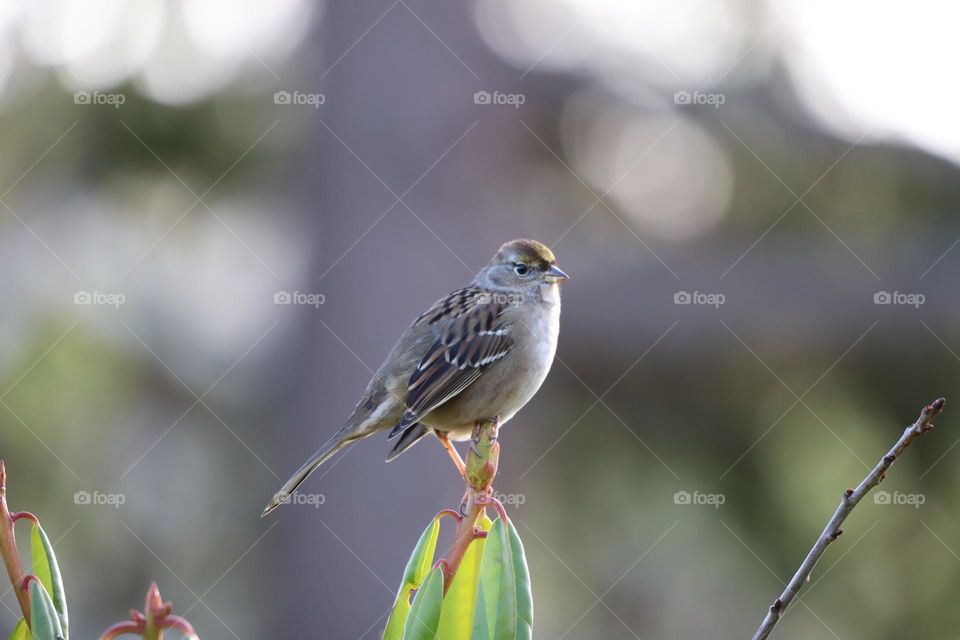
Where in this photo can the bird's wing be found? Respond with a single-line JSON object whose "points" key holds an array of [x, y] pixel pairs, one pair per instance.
{"points": [[471, 336]]}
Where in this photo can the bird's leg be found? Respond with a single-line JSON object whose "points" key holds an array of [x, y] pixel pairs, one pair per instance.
{"points": [[457, 460]]}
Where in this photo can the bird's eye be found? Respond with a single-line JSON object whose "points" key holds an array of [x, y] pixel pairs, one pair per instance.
{"points": [[520, 269]]}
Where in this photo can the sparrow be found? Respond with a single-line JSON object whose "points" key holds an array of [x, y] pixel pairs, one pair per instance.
{"points": [[478, 353]]}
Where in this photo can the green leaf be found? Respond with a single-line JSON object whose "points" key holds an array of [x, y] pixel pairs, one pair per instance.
{"points": [[417, 567], [504, 609], [398, 618], [21, 631], [456, 617], [484, 522], [422, 558], [425, 611], [44, 620], [46, 568]]}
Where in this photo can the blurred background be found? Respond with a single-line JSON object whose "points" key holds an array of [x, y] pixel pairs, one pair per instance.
{"points": [[218, 216]]}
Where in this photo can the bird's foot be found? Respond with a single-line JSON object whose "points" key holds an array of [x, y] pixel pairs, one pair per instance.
{"points": [[491, 436], [479, 423]]}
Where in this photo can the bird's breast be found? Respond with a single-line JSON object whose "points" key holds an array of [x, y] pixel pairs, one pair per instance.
{"points": [[508, 384]]}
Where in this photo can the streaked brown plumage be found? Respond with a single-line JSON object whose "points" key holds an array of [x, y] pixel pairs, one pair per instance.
{"points": [[479, 352]]}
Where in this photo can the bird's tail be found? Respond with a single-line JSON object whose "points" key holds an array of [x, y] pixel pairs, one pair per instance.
{"points": [[410, 437], [327, 451]]}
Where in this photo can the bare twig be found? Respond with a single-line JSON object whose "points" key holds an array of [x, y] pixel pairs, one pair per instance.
{"points": [[849, 499]]}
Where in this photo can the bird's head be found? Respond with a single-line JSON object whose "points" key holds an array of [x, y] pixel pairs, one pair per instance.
{"points": [[522, 265]]}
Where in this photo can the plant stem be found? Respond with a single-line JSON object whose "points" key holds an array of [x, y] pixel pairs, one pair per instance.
{"points": [[8, 549], [481, 469], [465, 534], [849, 499]]}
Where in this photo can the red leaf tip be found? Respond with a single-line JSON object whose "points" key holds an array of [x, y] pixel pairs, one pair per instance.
{"points": [[153, 600]]}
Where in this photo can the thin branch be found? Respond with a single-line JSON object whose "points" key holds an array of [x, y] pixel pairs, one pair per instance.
{"points": [[8, 548], [849, 499]]}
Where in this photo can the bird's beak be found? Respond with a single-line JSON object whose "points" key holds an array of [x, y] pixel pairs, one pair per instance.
{"points": [[555, 275]]}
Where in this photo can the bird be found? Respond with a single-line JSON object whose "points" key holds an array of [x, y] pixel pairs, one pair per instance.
{"points": [[479, 353]]}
